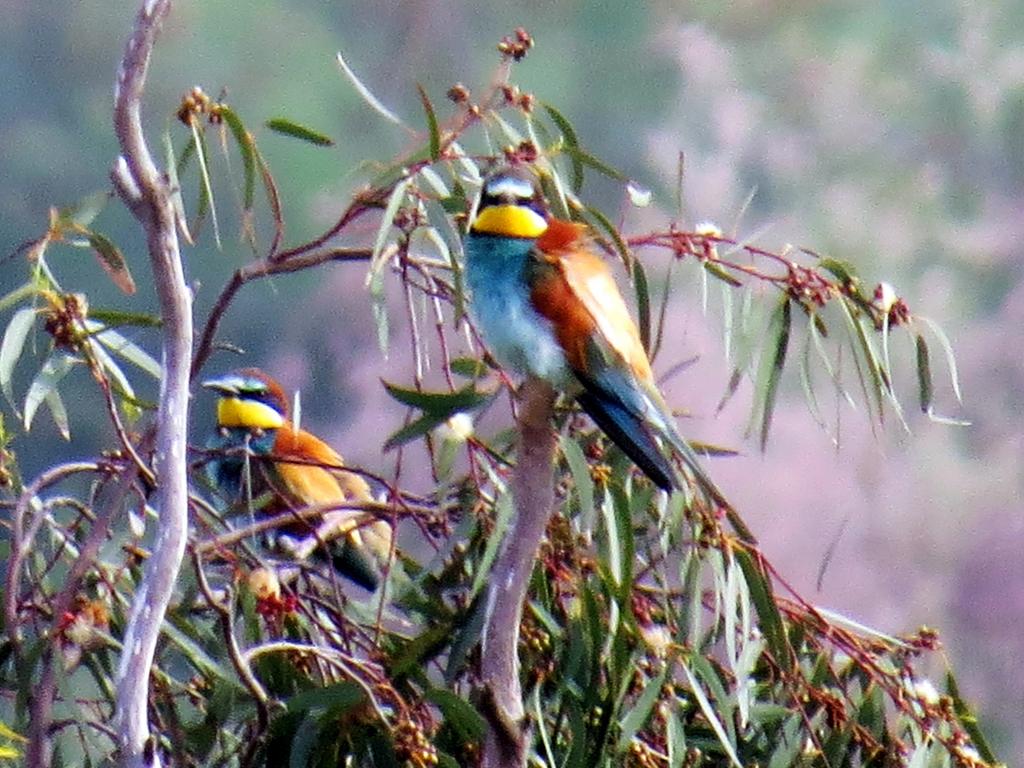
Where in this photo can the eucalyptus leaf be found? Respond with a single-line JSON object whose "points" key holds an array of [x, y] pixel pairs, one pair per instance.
{"points": [[13, 344], [45, 383], [287, 127]]}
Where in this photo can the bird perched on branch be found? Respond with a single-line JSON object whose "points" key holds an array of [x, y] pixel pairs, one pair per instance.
{"points": [[547, 306], [258, 451]]}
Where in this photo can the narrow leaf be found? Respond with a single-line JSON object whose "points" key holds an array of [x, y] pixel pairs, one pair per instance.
{"points": [[387, 219], [435, 135], [344, 695], [503, 510], [571, 140], [287, 127], [59, 412], [948, 349], [608, 228], [12, 347], [635, 718], [45, 382], [761, 595], [174, 187], [82, 213], [643, 304], [112, 261], [968, 720], [121, 346], [711, 716], [924, 374], [580, 471], [412, 430], [770, 371], [440, 403], [363, 91], [247, 149], [459, 713], [206, 187]]}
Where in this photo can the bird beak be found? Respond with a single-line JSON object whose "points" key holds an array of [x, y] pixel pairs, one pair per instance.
{"points": [[225, 385]]}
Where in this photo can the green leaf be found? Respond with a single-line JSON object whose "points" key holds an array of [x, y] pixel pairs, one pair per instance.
{"points": [[412, 430], [439, 403], [721, 273], [43, 387], [458, 712], [503, 510], [174, 186], [112, 261], [304, 743], [12, 346], [580, 471], [571, 141], [609, 229], [761, 595], [287, 127], [772, 361], [843, 270], [968, 720], [924, 374], [342, 696], [587, 159], [206, 187], [468, 367], [247, 149], [435, 136], [121, 346], [947, 348], [862, 344], [710, 715], [117, 317], [82, 213], [635, 718], [643, 304]]}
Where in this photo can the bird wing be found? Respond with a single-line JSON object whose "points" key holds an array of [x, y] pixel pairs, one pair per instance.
{"points": [[316, 476], [581, 292], [572, 287]]}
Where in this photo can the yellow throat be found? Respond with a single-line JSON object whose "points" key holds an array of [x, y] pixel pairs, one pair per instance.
{"points": [[249, 414], [510, 221]]}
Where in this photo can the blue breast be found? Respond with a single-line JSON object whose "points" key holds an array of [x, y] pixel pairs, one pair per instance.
{"points": [[226, 472], [517, 335]]}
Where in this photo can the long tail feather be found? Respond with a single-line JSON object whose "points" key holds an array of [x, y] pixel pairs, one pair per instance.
{"points": [[632, 436], [353, 563]]}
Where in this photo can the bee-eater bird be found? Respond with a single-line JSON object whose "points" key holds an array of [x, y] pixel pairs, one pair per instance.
{"points": [[295, 467], [547, 306]]}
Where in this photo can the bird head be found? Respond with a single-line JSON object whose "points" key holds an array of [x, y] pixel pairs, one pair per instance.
{"points": [[511, 205], [249, 399]]}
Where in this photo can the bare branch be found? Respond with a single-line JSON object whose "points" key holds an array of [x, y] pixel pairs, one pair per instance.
{"points": [[534, 496], [145, 190]]}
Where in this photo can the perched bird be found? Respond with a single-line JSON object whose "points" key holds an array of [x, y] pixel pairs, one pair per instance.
{"points": [[547, 306], [258, 451]]}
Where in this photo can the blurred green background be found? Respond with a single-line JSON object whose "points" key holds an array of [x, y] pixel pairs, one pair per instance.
{"points": [[890, 134]]}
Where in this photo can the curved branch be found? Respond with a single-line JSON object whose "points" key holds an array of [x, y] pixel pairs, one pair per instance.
{"points": [[145, 190], [534, 497], [256, 271]]}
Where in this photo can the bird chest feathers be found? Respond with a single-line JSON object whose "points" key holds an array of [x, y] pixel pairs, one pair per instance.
{"points": [[521, 338]]}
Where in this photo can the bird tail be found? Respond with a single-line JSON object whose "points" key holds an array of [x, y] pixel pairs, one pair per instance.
{"points": [[350, 560], [632, 435]]}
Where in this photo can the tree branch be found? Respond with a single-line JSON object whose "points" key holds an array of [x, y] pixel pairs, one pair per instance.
{"points": [[145, 190], [533, 494]]}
